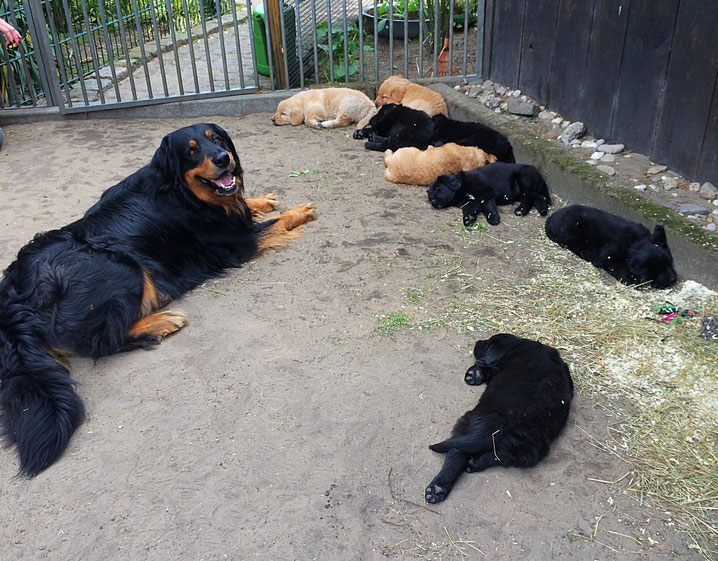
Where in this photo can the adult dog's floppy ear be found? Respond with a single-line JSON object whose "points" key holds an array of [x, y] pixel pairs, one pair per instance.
{"points": [[165, 160], [296, 116], [659, 236]]}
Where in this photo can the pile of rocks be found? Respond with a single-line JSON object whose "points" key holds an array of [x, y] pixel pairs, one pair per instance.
{"points": [[697, 202]]}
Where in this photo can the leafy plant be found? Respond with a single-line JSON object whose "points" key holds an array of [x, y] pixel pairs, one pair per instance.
{"points": [[335, 45], [398, 10]]}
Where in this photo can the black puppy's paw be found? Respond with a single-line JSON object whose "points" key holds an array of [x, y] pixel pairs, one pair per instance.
{"points": [[470, 218], [520, 211], [435, 493], [358, 134], [474, 376], [493, 218]]}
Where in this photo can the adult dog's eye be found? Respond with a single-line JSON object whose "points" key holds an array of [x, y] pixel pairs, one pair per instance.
{"points": [[217, 140], [192, 151]]}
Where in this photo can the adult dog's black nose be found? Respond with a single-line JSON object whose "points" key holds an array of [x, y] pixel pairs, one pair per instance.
{"points": [[221, 160]]}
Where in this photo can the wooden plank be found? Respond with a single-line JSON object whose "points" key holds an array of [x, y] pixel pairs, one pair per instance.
{"points": [[690, 81], [488, 38], [570, 58], [537, 49], [708, 161], [603, 65], [508, 24], [274, 15], [643, 69]]}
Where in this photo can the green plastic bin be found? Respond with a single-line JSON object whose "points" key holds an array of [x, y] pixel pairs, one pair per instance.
{"points": [[261, 44]]}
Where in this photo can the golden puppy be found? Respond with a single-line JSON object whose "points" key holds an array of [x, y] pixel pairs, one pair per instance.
{"points": [[396, 89], [325, 108], [422, 167]]}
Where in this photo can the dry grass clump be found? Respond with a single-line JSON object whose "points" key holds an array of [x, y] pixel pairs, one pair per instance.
{"points": [[619, 349]]}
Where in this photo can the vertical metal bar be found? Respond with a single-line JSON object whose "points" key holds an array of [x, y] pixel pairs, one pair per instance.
{"points": [[451, 36], [406, 39], [59, 56], [422, 23], [41, 46], [346, 45], [466, 35], [223, 51], [171, 23], [26, 68], [437, 39], [190, 44], [270, 61], [285, 55], [300, 50], [156, 30], [141, 42], [11, 77], [391, 37], [330, 40], [110, 54], [316, 53], [125, 48], [251, 42], [480, 30], [93, 51], [361, 41], [207, 55], [235, 26], [376, 44]]}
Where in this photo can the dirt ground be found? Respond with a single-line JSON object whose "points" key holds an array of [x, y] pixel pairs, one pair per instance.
{"points": [[279, 424]]}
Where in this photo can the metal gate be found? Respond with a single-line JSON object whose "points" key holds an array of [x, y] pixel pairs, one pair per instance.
{"points": [[86, 55]]}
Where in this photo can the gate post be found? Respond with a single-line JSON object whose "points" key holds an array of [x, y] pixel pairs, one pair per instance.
{"points": [[43, 52]]}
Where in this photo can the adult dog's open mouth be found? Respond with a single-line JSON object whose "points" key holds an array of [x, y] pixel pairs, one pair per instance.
{"points": [[222, 185]]}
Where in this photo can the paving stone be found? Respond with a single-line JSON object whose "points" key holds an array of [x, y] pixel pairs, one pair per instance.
{"points": [[656, 169], [611, 148], [606, 169], [520, 107], [690, 208]]}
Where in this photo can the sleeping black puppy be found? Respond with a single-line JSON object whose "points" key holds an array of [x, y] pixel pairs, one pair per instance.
{"points": [[396, 126], [627, 250], [522, 411], [480, 190], [472, 134]]}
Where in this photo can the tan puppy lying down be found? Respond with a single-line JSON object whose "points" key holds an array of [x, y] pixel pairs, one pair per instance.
{"points": [[421, 167], [325, 108], [396, 89]]}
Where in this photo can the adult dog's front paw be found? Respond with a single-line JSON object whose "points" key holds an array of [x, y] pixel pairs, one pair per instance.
{"points": [[474, 376], [435, 494]]}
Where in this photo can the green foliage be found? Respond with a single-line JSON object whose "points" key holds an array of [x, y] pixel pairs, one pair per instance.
{"points": [[336, 46], [399, 10], [24, 81], [388, 325]]}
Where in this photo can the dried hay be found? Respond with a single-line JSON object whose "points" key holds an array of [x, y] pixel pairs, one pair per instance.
{"points": [[619, 350]]}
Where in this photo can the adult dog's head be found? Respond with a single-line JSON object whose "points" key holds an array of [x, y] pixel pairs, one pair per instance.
{"points": [[289, 112], [444, 191], [202, 157], [392, 90]]}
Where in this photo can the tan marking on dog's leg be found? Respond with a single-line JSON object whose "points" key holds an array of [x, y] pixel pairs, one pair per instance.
{"points": [[260, 205], [287, 226], [152, 298], [160, 324]]}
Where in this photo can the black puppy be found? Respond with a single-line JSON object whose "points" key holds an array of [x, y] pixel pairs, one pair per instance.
{"points": [[472, 134], [627, 250], [396, 126], [480, 190], [523, 409]]}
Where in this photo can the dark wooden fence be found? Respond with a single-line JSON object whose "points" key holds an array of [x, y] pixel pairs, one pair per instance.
{"points": [[640, 72]]}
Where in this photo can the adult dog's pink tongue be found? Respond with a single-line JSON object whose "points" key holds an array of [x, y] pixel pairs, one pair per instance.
{"points": [[225, 180]]}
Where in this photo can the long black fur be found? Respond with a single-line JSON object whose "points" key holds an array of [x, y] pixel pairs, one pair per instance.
{"points": [[78, 289], [396, 126], [627, 250], [480, 190], [522, 411]]}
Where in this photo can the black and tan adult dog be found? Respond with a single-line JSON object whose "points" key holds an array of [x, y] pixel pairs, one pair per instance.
{"points": [[627, 250], [480, 190], [93, 288], [522, 411], [396, 126]]}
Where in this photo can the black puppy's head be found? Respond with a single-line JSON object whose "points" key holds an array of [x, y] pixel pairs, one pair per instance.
{"points": [[444, 191], [650, 261], [204, 158], [488, 353]]}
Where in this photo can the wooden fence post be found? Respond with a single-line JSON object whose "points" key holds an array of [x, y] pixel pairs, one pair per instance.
{"points": [[275, 11]]}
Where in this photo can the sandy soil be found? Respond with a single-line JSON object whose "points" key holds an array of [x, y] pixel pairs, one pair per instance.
{"points": [[279, 424]]}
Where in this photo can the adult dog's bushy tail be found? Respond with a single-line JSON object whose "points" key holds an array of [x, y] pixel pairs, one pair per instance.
{"points": [[39, 408]]}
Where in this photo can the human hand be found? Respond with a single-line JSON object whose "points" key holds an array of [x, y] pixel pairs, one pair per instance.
{"points": [[11, 34]]}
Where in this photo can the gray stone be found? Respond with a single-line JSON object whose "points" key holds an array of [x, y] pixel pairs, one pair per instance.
{"points": [[606, 169], [640, 187], [589, 144], [564, 124], [694, 187], [611, 148], [573, 131], [656, 169], [597, 155], [708, 191], [600, 141], [546, 115], [556, 120], [608, 158], [690, 208], [501, 90], [711, 227], [519, 107], [488, 83], [515, 93], [592, 162], [669, 183], [474, 91], [494, 101]]}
